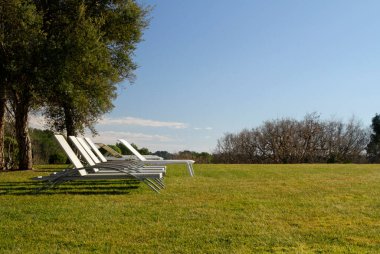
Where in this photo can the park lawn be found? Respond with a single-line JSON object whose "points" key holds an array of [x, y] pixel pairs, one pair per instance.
{"points": [[310, 208]]}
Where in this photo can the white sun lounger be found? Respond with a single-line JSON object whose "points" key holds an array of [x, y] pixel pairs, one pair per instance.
{"points": [[189, 163], [98, 171], [85, 150], [129, 166], [114, 155], [142, 159]]}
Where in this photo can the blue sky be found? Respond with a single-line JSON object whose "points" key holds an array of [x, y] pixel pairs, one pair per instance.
{"points": [[207, 67]]}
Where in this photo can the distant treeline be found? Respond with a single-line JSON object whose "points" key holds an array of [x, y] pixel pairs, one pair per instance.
{"points": [[201, 157], [310, 140]]}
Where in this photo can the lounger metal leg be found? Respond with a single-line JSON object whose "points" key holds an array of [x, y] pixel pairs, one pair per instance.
{"points": [[161, 180], [49, 184], [190, 169], [151, 185], [153, 182], [147, 181], [160, 183]]}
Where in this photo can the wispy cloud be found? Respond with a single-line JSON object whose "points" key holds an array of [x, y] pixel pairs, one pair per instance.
{"points": [[152, 142], [141, 122], [203, 129], [113, 136], [39, 122]]}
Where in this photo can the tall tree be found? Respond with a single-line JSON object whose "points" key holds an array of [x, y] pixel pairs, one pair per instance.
{"points": [[3, 79], [2, 120], [92, 47], [21, 43], [2, 91], [373, 147], [85, 88], [68, 56]]}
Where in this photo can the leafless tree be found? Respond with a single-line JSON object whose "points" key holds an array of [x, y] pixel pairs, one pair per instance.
{"points": [[291, 141]]}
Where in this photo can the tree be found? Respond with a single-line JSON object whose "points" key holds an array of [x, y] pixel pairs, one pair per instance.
{"points": [[45, 148], [10, 143], [21, 40], [84, 86], [3, 81], [67, 56], [92, 45], [2, 113], [292, 141], [144, 151], [116, 148], [373, 147], [164, 154], [123, 149]]}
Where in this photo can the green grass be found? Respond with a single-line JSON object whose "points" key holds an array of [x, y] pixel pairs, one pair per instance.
{"points": [[224, 209]]}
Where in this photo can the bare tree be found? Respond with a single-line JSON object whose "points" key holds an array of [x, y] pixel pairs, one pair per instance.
{"points": [[290, 141]]}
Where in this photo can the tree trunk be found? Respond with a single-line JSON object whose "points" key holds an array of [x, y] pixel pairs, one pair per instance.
{"points": [[2, 124], [25, 161], [69, 122]]}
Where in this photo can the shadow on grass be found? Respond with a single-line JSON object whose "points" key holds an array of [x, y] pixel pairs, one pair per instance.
{"points": [[111, 187]]}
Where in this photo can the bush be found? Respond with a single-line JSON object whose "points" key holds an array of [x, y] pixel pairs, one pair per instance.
{"points": [[57, 158]]}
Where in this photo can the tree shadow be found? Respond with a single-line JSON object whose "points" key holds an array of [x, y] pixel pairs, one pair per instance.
{"points": [[102, 187]]}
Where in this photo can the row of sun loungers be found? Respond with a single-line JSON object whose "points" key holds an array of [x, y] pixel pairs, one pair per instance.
{"points": [[188, 163], [112, 154], [97, 167]]}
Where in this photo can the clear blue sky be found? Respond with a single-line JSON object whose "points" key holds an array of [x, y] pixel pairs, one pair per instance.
{"points": [[208, 67]]}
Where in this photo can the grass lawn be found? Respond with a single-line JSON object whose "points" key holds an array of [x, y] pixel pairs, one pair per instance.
{"points": [[224, 209]]}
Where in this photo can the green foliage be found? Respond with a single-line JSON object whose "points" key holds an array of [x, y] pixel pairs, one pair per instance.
{"points": [[164, 154], [91, 48], [116, 148], [144, 151], [373, 147], [45, 148], [124, 150], [22, 43], [202, 157], [224, 209], [57, 158], [67, 57], [85, 87]]}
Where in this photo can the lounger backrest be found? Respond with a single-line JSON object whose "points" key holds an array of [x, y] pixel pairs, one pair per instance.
{"points": [[81, 150], [132, 149], [95, 149], [110, 150], [88, 150], [69, 152]]}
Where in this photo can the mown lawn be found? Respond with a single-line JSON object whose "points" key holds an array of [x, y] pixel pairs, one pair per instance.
{"points": [[224, 209]]}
